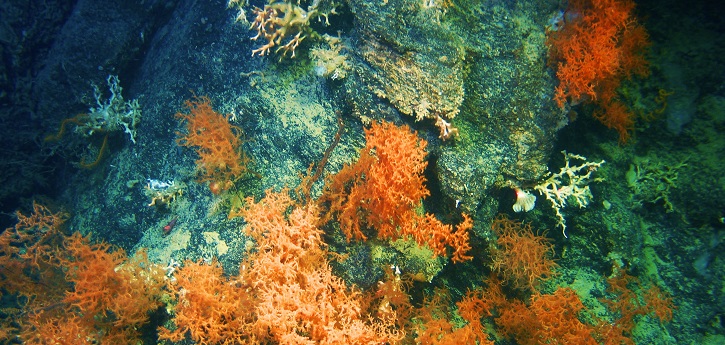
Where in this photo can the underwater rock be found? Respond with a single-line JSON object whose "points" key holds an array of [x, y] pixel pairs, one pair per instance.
{"points": [[430, 61]]}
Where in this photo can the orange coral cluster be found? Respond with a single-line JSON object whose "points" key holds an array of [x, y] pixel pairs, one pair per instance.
{"points": [[600, 44], [547, 319], [218, 144], [28, 264], [210, 308], [383, 189], [106, 282], [626, 304], [77, 292], [285, 293], [521, 257], [434, 326]]}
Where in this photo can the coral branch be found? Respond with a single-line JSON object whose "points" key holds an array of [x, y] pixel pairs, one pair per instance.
{"points": [[570, 182]]}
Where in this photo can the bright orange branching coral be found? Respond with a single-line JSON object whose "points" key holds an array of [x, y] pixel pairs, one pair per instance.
{"points": [[600, 44], [521, 257], [383, 189], [76, 292], [434, 326], [218, 144], [28, 247], [28, 265], [285, 293], [546, 319], [299, 300], [107, 282], [628, 300], [558, 314], [210, 308]]}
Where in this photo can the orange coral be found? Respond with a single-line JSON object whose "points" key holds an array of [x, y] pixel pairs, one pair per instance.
{"points": [[626, 304], [383, 189], [285, 293], [600, 44], [28, 268], [547, 319], [29, 246], [435, 327], [218, 144], [659, 303], [428, 230], [299, 299], [109, 290], [558, 316], [522, 258], [211, 309], [77, 292]]}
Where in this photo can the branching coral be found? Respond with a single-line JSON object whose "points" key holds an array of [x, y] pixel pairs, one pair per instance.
{"points": [[570, 183], [522, 258], [297, 299], [218, 144], [434, 324], [77, 292], [106, 282], [600, 45], [27, 251], [109, 115], [653, 181], [383, 189], [284, 24], [627, 300], [546, 319], [210, 308]]}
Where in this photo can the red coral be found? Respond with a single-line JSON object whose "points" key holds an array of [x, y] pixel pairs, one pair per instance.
{"points": [[600, 44], [218, 144]]}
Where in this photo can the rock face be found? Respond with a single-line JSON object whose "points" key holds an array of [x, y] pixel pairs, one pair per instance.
{"points": [[481, 69]]}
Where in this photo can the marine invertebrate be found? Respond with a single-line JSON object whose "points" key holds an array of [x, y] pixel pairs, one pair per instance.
{"points": [[571, 182], [600, 44], [162, 193], [218, 144], [209, 308], [285, 24], [74, 288], [525, 201], [110, 114], [522, 258], [382, 190]]}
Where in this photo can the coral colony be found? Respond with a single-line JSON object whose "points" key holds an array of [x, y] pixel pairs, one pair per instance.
{"points": [[74, 289]]}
